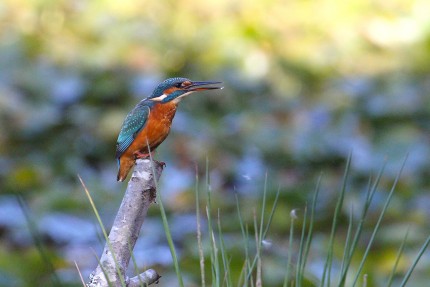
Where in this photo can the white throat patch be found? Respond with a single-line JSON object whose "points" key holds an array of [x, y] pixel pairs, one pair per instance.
{"points": [[178, 99]]}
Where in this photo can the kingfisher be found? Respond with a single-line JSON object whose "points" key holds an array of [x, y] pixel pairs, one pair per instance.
{"points": [[148, 124]]}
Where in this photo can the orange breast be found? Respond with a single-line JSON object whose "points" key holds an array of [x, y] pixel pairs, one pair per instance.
{"points": [[156, 129]]}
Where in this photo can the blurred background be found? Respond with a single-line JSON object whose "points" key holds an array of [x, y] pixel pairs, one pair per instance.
{"points": [[306, 83]]}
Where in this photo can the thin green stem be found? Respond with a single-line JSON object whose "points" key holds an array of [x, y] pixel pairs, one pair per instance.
{"points": [[199, 232], [299, 275], [120, 275], [347, 244], [371, 190], [263, 209], [258, 280], [136, 269], [166, 225], [290, 248], [399, 255], [328, 264], [224, 256], [414, 264], [32, 227], [103, 270], [244, 230], [215, 261], [311, 226], [272, 212], [378, 223]]}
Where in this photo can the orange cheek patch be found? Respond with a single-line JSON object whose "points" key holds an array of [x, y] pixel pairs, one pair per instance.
{"points": [[170, 90]]}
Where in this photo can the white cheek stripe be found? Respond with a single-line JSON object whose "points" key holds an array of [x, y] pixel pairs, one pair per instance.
{"points": [[176, 100], [160, 98]]}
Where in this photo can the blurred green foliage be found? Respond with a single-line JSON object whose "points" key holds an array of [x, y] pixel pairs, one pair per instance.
{"points": [[306, 82]]}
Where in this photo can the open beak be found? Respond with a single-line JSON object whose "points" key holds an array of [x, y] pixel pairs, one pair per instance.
{"points": [[203, 86]]}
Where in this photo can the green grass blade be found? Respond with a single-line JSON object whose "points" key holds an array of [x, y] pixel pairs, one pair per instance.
{"points": [[242, 275], [328, 263], [199, 232], [166, 226], [347, 245], [311, 227], [399, 254], [258, 280], [369, 197], [214, 248], [136, 269], [414, 264], [215, 260], [169, 239], [262, 234], [378, 223], [290, 247], [101, 267], [299, 275], [248, 279], [262, 230], [365, 280], [224, 256], [259, 234], [32, 227], [245, 241], [263, 210], [90, 199], [272, 212]]}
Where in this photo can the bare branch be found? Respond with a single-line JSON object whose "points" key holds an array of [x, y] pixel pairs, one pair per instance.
{"points": [[148, 277], [140, 194]]}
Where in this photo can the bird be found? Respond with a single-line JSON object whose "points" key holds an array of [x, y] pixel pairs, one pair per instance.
{"points": [[148, 124]]}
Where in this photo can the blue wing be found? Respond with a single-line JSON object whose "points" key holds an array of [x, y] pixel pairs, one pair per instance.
{"points": [[133, 124]]}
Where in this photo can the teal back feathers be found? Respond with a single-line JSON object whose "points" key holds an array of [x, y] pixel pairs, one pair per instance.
{"points": [[133, 124]]}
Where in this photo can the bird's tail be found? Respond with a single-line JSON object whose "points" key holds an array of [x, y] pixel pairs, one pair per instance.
{"points": [[124, 166]]}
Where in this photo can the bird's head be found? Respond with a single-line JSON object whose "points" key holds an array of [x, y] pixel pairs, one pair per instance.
{"points": [[174, 89]]}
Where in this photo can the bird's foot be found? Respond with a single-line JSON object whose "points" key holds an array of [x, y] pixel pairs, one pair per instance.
{"points": [[139, 155], [163, 164]]}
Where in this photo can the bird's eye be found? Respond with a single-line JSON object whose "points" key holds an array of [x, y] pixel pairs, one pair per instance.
{"points": [[178, 85], [185, 84]]}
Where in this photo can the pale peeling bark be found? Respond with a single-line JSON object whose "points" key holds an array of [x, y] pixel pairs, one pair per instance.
{"points": [[125, 230]]}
